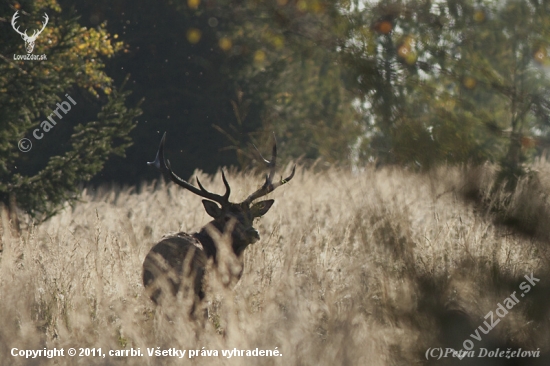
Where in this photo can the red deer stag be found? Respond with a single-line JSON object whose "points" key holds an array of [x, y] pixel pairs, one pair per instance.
{"points": [[180, 260]]}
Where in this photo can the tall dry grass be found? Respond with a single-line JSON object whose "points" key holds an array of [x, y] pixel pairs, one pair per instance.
{"points": [[370, 268]]}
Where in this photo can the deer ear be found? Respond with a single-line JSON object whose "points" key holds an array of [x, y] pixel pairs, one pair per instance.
{"points": [[212, 208], [260, 208]]}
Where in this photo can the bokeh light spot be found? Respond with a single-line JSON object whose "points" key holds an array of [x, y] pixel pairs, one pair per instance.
{"points": [[194, 35], [213, 22], [278, 42], [403, 51], [479, 15], [540, 56], [383, 27], [410, 58], [301, 5], [469, 82], [225, 43], [193, 4], [406, 52], [259, 56], [449, 104], [317, 7]]}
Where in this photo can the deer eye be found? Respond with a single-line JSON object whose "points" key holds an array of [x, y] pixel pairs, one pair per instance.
{"points": [[227, 218]]}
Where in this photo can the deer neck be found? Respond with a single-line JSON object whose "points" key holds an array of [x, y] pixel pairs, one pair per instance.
{"points": [[207, 242], [210, 247]]}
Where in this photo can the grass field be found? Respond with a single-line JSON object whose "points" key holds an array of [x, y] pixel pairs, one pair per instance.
{"points": [[369, 268]]}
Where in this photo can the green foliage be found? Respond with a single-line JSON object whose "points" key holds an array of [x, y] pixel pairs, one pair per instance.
{"points": [[284, 64], [455, 82], [414, 83], [29, 92]]}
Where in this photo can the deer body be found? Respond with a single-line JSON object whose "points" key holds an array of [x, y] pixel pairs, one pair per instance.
{"points": [[166, 260], [178, 262]]}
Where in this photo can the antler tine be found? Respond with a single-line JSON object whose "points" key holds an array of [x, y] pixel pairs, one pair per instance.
{"points": [[36, 33], [164, 166], [13, 21], [269, 186], [273, 159], [261, 156], [226, 184], [270, 163]]}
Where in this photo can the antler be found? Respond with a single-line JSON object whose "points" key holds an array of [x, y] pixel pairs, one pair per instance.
{"points": [[269, 186], [24, 34], [37, 33], [13, 19], [164, 166]]}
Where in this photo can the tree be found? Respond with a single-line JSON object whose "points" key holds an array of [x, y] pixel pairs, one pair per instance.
{"points": [[284, 65], [506, 55], [30, 91], [457, 81]]}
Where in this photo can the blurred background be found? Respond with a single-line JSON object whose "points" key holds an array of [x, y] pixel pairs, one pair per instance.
{"points": [[344, 82]]}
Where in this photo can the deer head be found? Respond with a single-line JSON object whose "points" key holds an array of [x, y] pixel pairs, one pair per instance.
{"points": [[29, 41], [239, 216]]}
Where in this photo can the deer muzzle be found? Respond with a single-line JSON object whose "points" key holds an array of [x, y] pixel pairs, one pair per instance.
{"points": [[252, 235]]}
